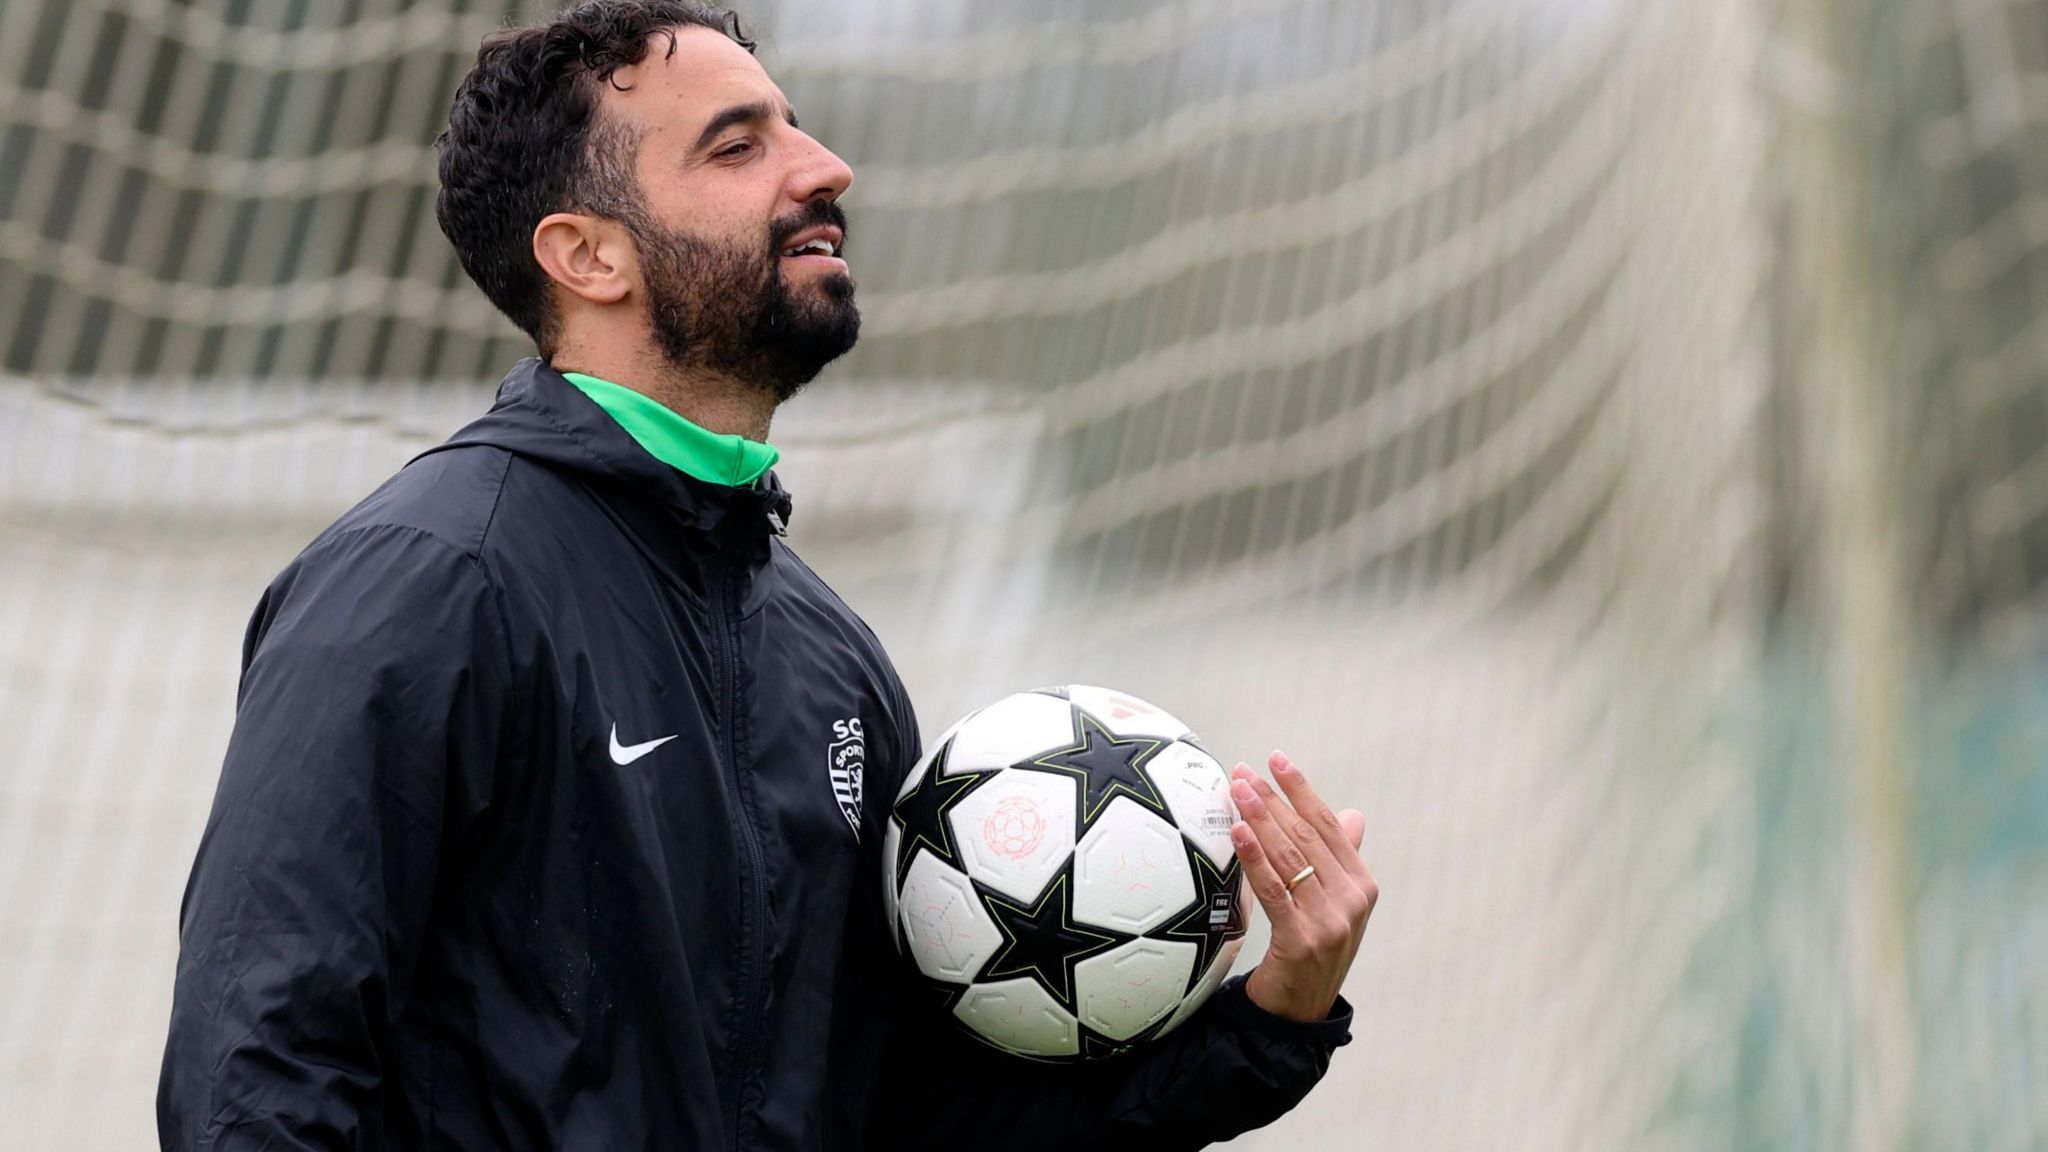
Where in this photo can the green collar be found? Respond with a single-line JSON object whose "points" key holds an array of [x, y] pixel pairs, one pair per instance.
{"points": [[718, 458]]}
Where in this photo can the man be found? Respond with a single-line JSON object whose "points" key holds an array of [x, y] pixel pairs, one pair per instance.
{"points": [[523, 838]]}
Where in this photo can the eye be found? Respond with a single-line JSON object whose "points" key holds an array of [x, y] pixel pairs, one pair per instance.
{"points": [[737, 148]]}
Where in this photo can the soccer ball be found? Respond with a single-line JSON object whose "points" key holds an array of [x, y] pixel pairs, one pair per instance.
{"points": [[1059, 868]]}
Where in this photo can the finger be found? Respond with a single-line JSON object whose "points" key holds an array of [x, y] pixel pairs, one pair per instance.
{"points": [[1266, 884], [1354, 826], [1354, 820], [1261, 808], [1341, 846], [1332, 886], [1298, 830]]}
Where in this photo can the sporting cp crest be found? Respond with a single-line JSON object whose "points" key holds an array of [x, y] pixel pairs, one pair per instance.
{"points": [[845, 760]]}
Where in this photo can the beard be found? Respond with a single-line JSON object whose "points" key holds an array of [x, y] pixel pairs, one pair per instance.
{"points": [[725, 308]]}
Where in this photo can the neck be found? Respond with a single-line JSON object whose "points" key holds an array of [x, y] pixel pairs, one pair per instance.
{"points": [[711, 401]]}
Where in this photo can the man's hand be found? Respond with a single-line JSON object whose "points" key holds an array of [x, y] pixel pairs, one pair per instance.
{"points": [[1318, 924]]}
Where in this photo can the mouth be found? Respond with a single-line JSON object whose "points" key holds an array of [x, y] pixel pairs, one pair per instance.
{"points": [[819, 246]]}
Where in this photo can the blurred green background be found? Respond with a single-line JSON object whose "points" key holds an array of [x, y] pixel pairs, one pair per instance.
{"points": [[1606, 442]]}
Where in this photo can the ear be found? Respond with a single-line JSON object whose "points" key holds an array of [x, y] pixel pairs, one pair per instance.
{"points": [[588, 256]]}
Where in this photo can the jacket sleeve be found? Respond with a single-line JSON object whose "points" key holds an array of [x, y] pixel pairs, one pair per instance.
{"points": [[365, 732], [1230, 1068]]}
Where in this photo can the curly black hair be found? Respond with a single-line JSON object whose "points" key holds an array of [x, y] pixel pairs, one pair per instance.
{"points": [[524, 139]]}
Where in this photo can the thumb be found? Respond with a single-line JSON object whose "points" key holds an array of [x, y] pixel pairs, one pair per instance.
{"points": [[1354, 825]]}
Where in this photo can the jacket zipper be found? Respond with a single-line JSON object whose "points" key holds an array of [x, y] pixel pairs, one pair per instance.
{"points": [[753, 878]]}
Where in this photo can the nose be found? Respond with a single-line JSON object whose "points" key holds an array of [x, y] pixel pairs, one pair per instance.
{"points": [[821, 175]]}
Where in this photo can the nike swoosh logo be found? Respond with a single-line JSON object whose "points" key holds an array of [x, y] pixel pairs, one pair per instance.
{"points": [[627, 753]]}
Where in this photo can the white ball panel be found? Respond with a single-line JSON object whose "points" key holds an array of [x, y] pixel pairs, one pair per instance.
{"points": [[1124, 714], [1219, 970], [1021, 1016], [1131, 987], [1016, 831], [1130, 873], [946, 929], [1012, 729], [1197, 788]]}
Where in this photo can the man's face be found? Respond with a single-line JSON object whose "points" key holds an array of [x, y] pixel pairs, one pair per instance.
{"points": [[729, 187]]}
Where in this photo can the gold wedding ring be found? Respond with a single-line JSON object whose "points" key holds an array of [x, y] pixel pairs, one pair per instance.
{"points": [[1304, 874]]}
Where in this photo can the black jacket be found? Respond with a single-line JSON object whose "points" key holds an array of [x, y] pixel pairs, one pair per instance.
{"points": [[453, 894]]}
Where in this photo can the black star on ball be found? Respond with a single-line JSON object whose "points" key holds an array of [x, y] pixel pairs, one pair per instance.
{"points": [[1043, 941], [922, 812], [1097, 1047], [1217, 915], [1105, 766]]}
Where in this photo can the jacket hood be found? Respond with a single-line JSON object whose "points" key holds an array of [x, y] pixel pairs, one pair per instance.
{"points": [[544, 418]]}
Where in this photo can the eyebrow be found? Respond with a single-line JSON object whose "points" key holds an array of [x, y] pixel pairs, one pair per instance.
{"points": [[757, 111]]}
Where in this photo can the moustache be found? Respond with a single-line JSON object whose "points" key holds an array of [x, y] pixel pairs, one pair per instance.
{"points": [[809, 216]]}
